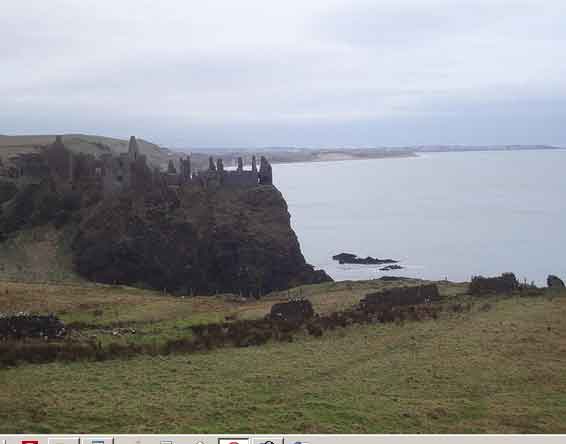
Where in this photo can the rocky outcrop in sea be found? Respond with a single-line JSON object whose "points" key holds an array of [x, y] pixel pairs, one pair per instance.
{"points": [[349, 258]]}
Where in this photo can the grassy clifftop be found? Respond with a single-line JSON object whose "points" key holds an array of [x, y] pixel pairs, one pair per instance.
{"points": [[496, 366]]}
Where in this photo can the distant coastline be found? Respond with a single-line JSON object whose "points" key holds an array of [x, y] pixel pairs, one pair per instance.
{"points": [[303, 155]]}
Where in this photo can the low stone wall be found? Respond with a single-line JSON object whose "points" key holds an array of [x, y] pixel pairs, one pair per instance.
{"points": [[506, 283], [239, 333], [300, 310], [24, 325], [399, 296]]}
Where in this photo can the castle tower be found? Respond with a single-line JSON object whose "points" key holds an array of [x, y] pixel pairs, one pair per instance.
{"points": [[60, 161], [211, 166], [133, 148], [186, 169], [71, 168], [254, 165], [219, 165], [265, 174], [240, 165]]}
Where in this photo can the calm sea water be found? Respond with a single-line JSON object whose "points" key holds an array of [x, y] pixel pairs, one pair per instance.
{"points": [[443, 215]]}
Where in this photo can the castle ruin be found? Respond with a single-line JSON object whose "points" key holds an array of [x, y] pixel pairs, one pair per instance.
{"points": [[129, 171]]}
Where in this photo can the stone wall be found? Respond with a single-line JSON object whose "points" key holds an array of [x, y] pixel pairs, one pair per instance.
{"points": [[506, 283], [27, 169], [217, 176], [399, 296], [240, 178]]}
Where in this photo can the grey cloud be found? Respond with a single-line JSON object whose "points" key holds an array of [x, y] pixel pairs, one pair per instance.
{"points": [[408, 23], [318, 73]]}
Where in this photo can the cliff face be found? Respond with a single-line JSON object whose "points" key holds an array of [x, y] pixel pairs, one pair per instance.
{"points": [[194, 240]]}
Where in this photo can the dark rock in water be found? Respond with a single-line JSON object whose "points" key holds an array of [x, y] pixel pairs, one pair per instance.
{"points": [[554, 282], [348, 258], [344, 257], [391, 267], [505, 283], [398, 296], [24, 325], [196, 241], [295, 311], [373, 261]]}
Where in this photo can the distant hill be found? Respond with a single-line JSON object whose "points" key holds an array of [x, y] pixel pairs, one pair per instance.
{"points": [[87, 144], [452, 148]]}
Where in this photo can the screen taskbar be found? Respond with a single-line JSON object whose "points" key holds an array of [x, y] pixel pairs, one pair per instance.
{"points": [[281, 439]]}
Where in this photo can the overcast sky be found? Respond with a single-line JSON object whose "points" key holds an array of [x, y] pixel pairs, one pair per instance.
{"points": [[295, 72]]}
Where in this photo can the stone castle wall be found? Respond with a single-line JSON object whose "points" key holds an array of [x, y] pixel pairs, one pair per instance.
{"points": [[125, 172], [240, 178]]}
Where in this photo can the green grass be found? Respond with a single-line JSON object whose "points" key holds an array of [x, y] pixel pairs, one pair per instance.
{"points": [[497, 370], [109, 313]]}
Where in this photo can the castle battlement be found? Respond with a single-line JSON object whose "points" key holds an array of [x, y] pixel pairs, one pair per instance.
{"points": [[216, 175]]}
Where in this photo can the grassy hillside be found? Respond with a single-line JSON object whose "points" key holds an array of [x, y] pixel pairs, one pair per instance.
{"points": [[497, 366], [39, 254]]}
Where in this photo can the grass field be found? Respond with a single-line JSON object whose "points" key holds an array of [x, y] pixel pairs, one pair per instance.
{"points": [[499, 367], [110, 313]]}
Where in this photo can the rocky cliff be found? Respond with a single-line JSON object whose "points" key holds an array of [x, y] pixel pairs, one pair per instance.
{"points": [[194, 240]]}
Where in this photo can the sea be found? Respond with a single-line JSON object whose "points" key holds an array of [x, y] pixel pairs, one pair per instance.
{"points": [[447, 215]]}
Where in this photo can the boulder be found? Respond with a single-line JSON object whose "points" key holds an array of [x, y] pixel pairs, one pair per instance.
{"points": [[294, 311], [554, 282]]}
